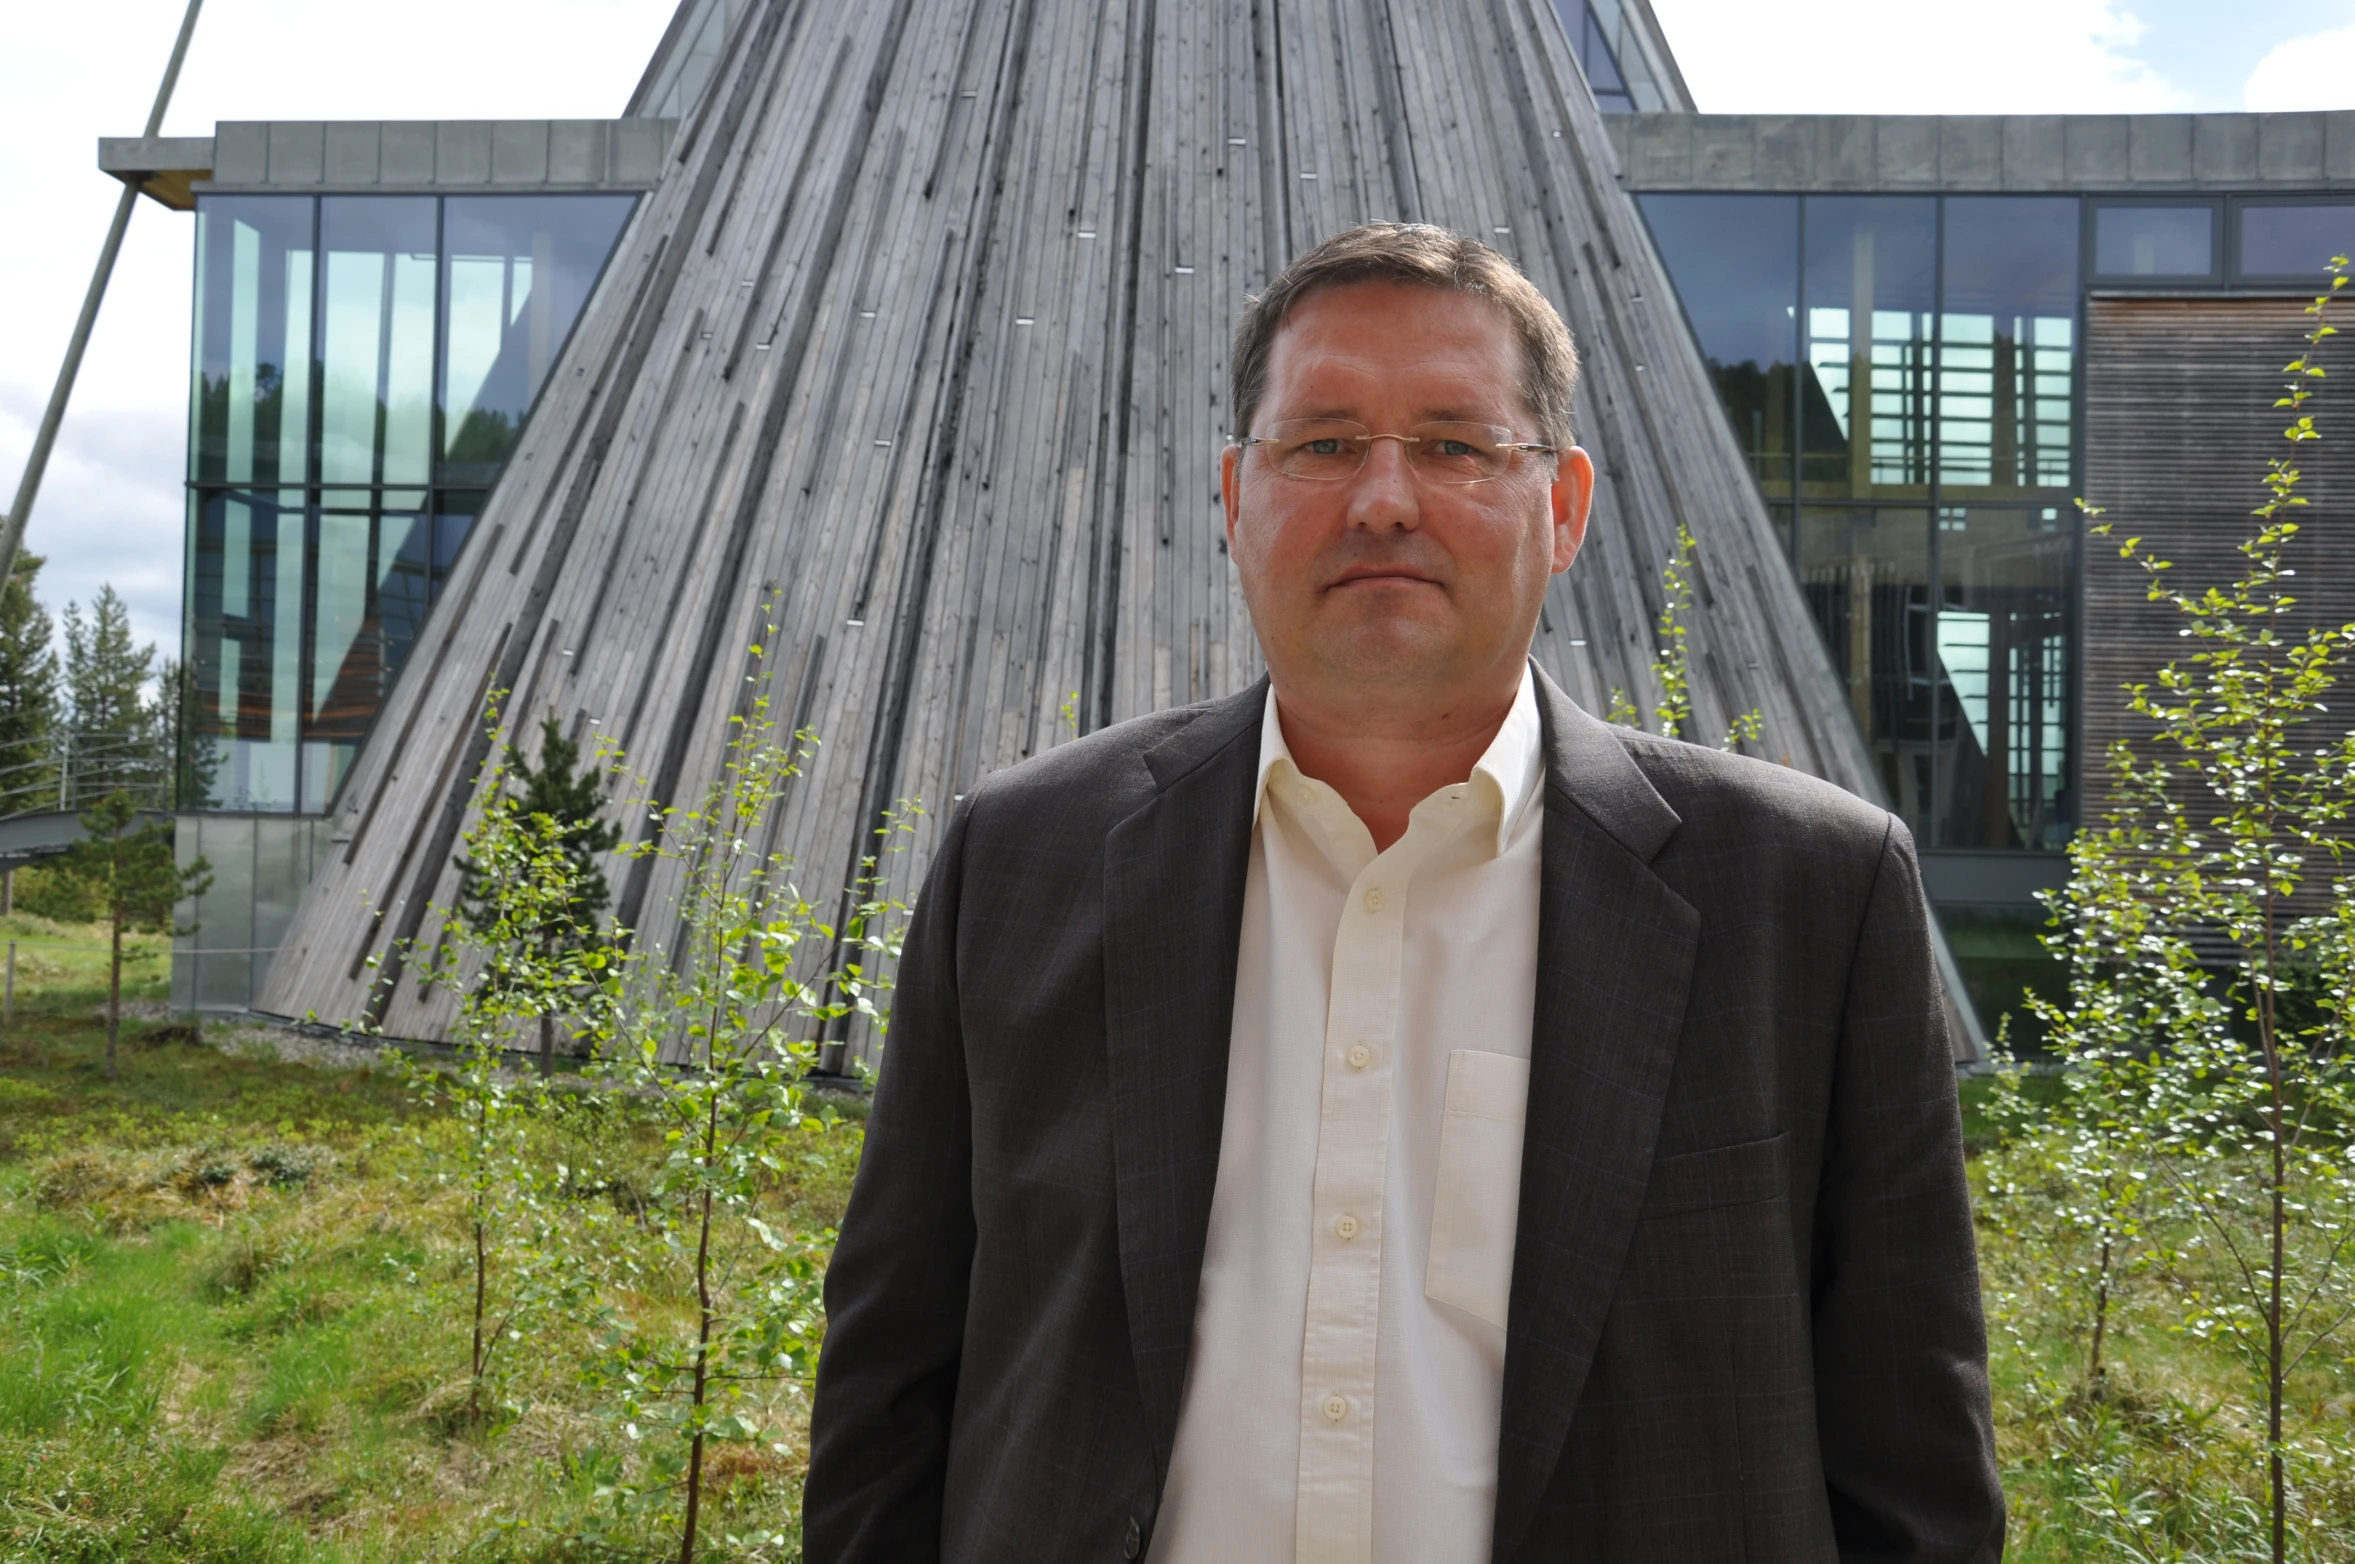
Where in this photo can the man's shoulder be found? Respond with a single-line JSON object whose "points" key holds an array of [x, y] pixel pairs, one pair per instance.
{"points": [[1097, 778], [1732, 797]]}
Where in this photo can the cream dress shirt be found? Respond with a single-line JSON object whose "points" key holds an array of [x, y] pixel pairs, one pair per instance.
{"points": [[1347, 1369]]}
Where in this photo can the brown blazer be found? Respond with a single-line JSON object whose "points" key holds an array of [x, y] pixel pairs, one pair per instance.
{"points": [[1745, 1307]]}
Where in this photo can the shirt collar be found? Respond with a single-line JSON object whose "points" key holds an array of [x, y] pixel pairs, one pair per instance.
{"points": [[1511, 771]]}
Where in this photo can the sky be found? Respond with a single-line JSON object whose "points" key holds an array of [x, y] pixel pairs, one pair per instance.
{"points": [[111, 509]]}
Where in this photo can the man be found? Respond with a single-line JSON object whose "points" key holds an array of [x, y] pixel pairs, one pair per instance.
{"points": [[1389, 1116]]}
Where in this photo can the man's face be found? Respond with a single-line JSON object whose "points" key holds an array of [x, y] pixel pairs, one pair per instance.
{"points": [[1390, 581]]}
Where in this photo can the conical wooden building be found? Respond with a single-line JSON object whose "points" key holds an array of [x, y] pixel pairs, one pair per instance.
{"points": [[912, 370]]}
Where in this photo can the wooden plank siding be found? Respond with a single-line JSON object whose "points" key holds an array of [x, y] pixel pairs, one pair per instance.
{"points": [[2179, 427], [913, 369]]}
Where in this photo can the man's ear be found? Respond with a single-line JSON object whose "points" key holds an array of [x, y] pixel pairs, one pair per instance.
{"points": [[1571, 498], [1230, 489]]}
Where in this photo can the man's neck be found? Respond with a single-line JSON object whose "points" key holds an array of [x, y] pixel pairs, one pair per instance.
{"points": [[1385, 761]]}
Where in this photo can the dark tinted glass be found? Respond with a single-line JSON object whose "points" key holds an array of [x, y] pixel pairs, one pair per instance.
{"points": [[517, 270], [1868, 284], [2007, 342], [1735, 262], [2294, 241], [253, 340], [376, 331], [2003, 658], [1865, 572], [2154, 241]]}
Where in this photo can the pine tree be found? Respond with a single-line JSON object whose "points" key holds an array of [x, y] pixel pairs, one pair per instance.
{"points": [[571, 798], [28, 696], [132, 871], [111, 744]]}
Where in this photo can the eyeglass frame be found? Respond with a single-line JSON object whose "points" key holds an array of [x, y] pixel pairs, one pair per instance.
{"points": [[1246, 441]]}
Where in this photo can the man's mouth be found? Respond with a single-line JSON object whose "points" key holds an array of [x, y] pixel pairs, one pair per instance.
{"points": [[1375, 576]]}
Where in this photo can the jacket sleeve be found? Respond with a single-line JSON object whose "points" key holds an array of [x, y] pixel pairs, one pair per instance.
{"points": [[896, 1290], [1900, 1348]]}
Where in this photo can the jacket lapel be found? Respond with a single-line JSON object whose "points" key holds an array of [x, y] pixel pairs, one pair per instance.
{"points": [[1173, 911], [1615, 955]]}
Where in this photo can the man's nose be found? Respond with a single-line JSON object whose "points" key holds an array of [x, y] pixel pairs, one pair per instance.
{"points": [[1384, 496]]}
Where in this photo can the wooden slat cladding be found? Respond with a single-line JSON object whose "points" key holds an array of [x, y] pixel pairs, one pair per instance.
{"points": [[2179, 427], [918, 356]]}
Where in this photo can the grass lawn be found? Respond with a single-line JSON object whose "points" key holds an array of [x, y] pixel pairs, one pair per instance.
{"points": [[233, 1322], [233, 1326]]}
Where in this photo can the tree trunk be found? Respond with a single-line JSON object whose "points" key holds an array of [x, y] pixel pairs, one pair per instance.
{"points": [[114, 992], [702, 1339], [547, 1046], [481, 1278]]}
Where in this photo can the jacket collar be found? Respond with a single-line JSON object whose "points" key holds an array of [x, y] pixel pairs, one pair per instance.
{"points": [[1173, 911], [1615, 949]]}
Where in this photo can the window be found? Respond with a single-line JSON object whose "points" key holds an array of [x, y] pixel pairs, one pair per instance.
{"points": [[2003, 724], [2294, 241], [1867, 304], [2007, 329], [250, 419], [2137, 241], [1615, 56], [1736, 264], [515, 275]]}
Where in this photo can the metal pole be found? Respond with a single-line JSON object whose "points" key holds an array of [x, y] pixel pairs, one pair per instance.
{"points": [[8, 999], [12, 533]]}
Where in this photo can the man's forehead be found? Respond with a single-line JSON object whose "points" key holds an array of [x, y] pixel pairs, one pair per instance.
{"points": [[1456, 351]]}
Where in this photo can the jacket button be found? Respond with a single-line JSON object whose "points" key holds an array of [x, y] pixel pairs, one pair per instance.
{"points": [[1134, 1543]]}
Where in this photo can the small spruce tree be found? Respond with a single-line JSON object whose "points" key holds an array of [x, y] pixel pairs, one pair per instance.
{"points": [[569, 795]]}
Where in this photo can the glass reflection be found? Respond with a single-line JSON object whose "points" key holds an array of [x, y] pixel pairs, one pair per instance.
{"points": [[1735, 262], [1865, 572], [515, 273], [376, 311], [253, 340], [1610, 49], [2294, 241], [2154, 241], [2007, 342], [1866, 311], [2003, 649], [316, 546], [244, 649]]}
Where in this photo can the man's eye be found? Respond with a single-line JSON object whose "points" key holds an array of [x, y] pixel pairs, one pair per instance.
{"points": [[1456, 448], [1328, 445]]}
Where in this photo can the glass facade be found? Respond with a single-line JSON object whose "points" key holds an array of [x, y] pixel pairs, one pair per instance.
{"points": [[362, 368], [1616, 57], [1901, 373]]}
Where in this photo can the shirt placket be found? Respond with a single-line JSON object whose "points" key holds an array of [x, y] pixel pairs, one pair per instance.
{"points": [[1334, 1513]]}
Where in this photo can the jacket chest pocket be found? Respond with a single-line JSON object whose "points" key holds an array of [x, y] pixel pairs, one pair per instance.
{"points": [[1478, 1199]]}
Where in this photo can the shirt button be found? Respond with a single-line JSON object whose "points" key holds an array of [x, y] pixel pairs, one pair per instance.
{"points": [[1306, 797], [1360, 1056], [1134, 1543], [1374, 899], [1346, 1226], [1336, 1408]]}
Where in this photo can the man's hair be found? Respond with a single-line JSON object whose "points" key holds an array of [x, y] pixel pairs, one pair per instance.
{"points": [[1422, 256]]}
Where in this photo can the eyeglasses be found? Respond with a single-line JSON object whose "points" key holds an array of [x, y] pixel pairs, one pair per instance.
{"points": [[1325, 450]]}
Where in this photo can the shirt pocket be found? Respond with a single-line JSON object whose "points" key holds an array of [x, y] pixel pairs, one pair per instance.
{"points": [[1478, 1199]]}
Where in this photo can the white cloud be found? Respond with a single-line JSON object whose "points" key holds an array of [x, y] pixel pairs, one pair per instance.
{"points": [[2313, 72], [110, 508], [1913, 57]]}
